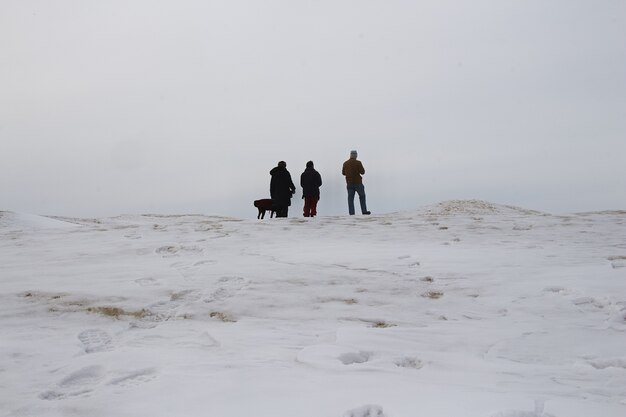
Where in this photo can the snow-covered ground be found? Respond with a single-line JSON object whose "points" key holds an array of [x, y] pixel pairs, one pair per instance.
{"points": [[463, 308]]}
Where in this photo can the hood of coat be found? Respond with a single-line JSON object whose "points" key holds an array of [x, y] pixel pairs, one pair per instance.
{"points": [[276, 170]]}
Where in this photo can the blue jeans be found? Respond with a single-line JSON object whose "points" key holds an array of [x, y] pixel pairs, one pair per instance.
{"points": [[360, 190]]}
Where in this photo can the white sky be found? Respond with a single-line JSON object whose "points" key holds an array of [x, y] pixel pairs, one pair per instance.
{"points": [[110, 107]]}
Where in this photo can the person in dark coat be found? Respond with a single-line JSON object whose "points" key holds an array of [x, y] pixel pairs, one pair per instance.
{"points": [[281, 189], [311, 181]]}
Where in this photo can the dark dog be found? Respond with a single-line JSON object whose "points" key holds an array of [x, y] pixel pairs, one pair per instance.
{"points": [[264, 205]]}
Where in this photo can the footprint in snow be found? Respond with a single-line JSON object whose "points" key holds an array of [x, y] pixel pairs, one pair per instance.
{"points": [[366, 411], [557, 290], [350, 358], [204, 262], [521, 414], [332, 356], [77, 384], [173, 308], [538, 412], [409, 362], [59, 395], [86, 376], [146, 282], [174, 250], [186, 295], [590, 302], [227, 287], [619, 316], [167, 251], [619, 363], [617, 261], [95, 340], [134, 378]]}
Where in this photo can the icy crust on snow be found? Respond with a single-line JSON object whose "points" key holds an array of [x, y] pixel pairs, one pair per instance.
{"points": [[501, 314], [13, 220], [475, 207]]}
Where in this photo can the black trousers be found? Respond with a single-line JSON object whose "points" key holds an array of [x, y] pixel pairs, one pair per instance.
{"points": [[282, 211]]}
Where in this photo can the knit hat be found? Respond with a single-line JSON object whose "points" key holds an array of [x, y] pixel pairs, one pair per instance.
{"points": [[353, 154], [282, 164], [309, 164]]}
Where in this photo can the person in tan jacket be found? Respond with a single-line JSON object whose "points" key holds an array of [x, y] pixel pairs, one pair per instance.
{"points": [[352, 170]]}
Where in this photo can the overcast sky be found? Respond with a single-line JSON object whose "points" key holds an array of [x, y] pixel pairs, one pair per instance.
{"points": [[148, 106]]}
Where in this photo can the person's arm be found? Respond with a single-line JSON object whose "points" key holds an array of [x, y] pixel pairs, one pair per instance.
{"points": [[291, 186], [361, 169]]}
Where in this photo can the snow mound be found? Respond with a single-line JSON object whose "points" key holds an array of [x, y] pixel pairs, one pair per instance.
{"points": [[475, 207], [32, 221]]}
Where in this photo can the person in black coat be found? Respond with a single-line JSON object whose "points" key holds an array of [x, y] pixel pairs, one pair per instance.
{"points": [[281, 189], [311, 181]]}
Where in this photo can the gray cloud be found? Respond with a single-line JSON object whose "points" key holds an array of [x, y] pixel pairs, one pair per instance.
{"points": [[114, 107]]}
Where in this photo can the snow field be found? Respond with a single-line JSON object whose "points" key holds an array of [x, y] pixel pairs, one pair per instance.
{"points": [[465, 308]]}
